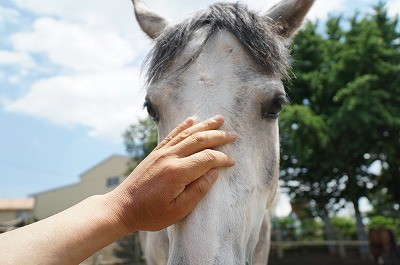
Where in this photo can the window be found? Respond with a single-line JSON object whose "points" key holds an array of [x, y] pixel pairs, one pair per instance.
{"points": [[112, 182], [22, 214]]}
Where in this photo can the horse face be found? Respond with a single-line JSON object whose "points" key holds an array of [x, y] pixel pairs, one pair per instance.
{"points": [[216, 74], [223, 81]]}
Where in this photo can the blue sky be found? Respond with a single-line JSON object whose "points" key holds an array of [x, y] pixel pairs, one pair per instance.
{"points": [[70, 82]]}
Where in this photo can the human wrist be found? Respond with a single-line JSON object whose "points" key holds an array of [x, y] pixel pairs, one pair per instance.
{"points": [[116, 211]]}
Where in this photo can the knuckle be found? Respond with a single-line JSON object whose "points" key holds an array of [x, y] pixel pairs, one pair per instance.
{"points": [[161, 154], [222, 135], [164, 159], [170, 169], [200, 137], [202, 188], [184, 134], [180, 210], [205, 123], [163, 142], [168, 138], [209, 155]]}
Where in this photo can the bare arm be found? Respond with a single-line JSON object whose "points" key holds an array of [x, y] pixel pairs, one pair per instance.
{"points": [[65, 238], [162, 190]]}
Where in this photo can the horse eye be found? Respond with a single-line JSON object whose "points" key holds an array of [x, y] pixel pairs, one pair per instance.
{"points": [[151, 111], [274, 108]]}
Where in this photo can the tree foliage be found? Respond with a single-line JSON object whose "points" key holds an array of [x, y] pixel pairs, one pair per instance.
{"points": [[345, 112], [380, 221], [140, 139]]}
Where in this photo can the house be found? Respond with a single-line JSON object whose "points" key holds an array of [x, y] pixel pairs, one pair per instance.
{"points": [[99, 179], [11, 209]]}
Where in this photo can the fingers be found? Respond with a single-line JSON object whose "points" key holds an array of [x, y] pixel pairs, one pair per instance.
{"points": [[203, 140], [196, 165], [195, 191], [181, 127], [210, 124]]}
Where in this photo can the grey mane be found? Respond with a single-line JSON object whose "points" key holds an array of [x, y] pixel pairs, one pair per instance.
{"points": [[256, 33]]}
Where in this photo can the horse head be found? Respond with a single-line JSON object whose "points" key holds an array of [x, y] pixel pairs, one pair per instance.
{"points": [[224, 60]]}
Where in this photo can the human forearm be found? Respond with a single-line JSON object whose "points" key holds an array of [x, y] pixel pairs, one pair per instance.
{"points": [[65, 238]]}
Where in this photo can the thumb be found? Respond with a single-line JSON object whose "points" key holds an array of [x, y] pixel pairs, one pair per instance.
{"points": [[196, 190]]}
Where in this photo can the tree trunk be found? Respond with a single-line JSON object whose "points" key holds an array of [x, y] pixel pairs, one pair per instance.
{"points": [[361, 235], [330, 234]]}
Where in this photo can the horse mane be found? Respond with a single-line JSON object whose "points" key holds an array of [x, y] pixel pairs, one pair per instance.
{"points": [[257, 34]]}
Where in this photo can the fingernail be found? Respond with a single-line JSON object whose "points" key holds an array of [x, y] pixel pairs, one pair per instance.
{"points": [[232, 134], [217, 118]]}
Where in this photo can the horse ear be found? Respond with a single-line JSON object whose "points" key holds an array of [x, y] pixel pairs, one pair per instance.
{"points": [[289, 14], [151, 23]]}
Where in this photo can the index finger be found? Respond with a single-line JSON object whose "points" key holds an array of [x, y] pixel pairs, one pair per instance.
{"points": [[209, 124], [180, 128]]}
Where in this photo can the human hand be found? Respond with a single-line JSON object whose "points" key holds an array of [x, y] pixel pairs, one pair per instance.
{"points": [[167, 185]]}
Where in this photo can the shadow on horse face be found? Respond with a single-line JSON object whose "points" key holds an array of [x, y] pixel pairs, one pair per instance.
{"points": [[224, 60]]}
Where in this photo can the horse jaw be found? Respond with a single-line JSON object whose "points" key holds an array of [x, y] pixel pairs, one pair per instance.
{"points": [[224, 227]]}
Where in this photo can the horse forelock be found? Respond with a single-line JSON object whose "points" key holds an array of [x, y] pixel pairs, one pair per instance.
{"points": [[256, 34]]}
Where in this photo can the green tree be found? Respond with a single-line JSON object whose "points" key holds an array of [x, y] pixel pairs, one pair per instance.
{"points": [[385, 222], [382, 204], [388, 145], [311, 229], [344, 227], [305, 125], [343, 113], [286, 226], [140, 139]]}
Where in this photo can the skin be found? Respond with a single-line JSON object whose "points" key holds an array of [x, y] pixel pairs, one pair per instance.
{"points": [[162, 190]]}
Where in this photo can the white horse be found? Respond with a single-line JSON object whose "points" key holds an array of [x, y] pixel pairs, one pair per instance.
{"points": [[224, 60]]}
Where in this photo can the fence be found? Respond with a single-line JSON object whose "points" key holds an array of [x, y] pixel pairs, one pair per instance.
{"points": [[280, 246], [127, 250], [297, 240]]}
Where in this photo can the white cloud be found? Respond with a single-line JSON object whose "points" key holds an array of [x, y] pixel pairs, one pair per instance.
{"points": [[393, 7], [21, 61], [97, 50], [16, 58], [8, 14], [322, 8], [105, 102], [107, 13], [75, 46]]}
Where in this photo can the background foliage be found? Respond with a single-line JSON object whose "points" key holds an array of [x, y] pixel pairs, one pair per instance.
{"points": [[344, 120]]}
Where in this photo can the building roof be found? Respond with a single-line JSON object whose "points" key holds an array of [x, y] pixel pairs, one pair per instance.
{"points": [[122, 159], [17, 204], [118, 161]]}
